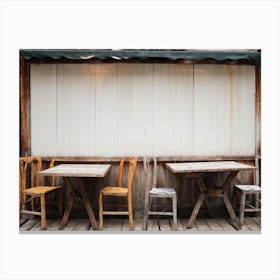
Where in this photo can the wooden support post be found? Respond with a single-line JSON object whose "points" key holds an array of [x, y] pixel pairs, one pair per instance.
{"points": [[25, 146]]}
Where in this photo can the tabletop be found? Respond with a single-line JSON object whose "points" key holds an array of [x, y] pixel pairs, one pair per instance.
{"points": [[208, 166], [77, 170]]}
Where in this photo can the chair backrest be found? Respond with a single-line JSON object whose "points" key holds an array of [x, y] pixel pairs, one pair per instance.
{"points": [[131, 173], [120, 172], [151, 176], [29, 166]]}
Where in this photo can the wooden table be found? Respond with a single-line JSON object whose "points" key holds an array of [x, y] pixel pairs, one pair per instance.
{"points": [[196, 170], [77, 171]]}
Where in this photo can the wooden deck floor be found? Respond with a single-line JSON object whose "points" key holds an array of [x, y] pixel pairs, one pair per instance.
{"points": [[251, 224]]}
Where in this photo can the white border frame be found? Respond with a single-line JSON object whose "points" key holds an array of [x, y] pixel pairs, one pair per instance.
{"points": [[155, 24]]}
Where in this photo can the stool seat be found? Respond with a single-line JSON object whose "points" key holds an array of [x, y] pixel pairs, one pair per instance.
{"points": [[245, 206], [162, 191], [249, 188]]}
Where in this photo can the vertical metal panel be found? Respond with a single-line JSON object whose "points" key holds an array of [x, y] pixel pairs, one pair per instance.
{"points": [[143, 109], [106, 110], [135, 85], [125, 109], [75, 110], [173, 109], [43, 109], [224, 110], [142, 113]]}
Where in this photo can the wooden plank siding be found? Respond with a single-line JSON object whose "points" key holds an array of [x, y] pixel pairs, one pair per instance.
{"points": [[24, 95]]}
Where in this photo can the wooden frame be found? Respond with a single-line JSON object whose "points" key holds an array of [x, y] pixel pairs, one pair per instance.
{"points": [[25, 128]]}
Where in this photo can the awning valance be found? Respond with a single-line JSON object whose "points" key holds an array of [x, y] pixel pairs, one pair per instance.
{"points": [[249, 56]]}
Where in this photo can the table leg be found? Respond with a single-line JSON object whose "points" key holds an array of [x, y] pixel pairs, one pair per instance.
{"points": [[87, 203], [195, 210], [226, 199], [231, 211], [202, 188], [70, 202]]}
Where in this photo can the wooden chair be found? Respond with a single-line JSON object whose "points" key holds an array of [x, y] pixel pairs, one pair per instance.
{"points": [[119, 191], [242, 191], [31, 190], [152, 191]]}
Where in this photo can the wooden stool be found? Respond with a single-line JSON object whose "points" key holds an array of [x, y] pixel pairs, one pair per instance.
{"points": [[243, 190], [154, 192]]}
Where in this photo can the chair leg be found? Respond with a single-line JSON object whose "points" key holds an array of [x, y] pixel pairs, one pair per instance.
{"points": [[242, 207], [43, 212], [20, 205], [60, 202], [130, 213], [234, 198], [174, 206], [100, 210], [146, 215]]}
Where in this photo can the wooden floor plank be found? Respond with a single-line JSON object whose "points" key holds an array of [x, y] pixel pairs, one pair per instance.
{"points": [[164, 225], [29, 224], [226, 226], [193, 228], [258, 221], [54, 225], [202, 225], [83, 225], [137, 225], [153, 225], [22, 221], [213, 224], [181, 224], [252, 225], [71, 225], [112, 224]]}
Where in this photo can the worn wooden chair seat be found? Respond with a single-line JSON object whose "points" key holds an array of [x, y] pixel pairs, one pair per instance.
{"points": [[157, 192], [39, 190], [119, 191], [30, 189]]}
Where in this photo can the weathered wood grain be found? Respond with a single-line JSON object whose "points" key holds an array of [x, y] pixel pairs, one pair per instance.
{"points": [[137, 225], [25, 129], [77, 170], [29, 224], [252, 225], [153, 225], [226, 226], [213, 224], [219, 166], [165, 225], [112, 224], [202, 225]]}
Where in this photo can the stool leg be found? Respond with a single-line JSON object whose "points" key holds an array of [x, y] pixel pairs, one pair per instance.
{"points": [[100, 210], [242, 207], [174, 206], [234, 198], [146, 215], [43, 212]]}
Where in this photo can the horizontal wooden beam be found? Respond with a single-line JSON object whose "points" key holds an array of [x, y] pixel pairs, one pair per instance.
{"points": [[115, 213], [163, 159]]}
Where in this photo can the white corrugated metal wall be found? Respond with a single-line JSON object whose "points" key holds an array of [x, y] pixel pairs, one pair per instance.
{"points": [[142, 109]]}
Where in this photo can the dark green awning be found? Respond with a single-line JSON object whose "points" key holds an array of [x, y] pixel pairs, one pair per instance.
{"points": [[249, 56]]}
